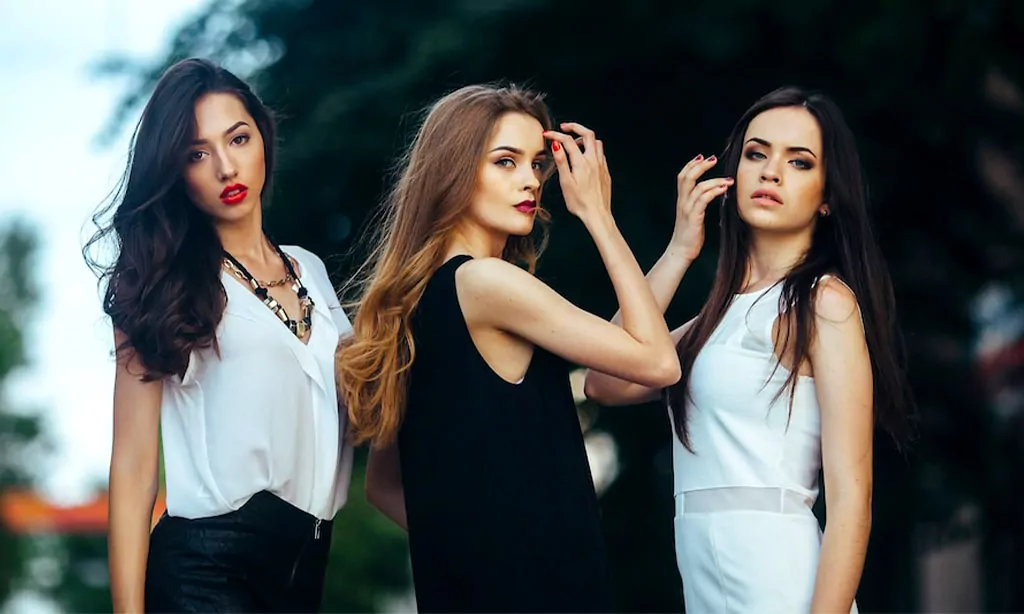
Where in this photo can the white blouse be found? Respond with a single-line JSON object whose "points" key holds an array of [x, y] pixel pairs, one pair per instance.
{"points": [[264, 415]]}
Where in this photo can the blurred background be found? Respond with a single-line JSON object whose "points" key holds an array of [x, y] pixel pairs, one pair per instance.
{"points": [[933, 90]]}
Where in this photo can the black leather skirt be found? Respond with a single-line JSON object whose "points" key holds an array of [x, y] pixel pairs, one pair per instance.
{"points": [[267, 556]]}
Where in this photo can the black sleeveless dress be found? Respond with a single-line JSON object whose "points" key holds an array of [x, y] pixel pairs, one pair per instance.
{"points": [[500, 503]]}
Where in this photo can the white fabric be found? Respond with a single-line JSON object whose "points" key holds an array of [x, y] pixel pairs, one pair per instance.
{"points": [[746, 538], [264, 415]]}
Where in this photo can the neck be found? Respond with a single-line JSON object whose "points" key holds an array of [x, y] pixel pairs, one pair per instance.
{"points": [[244, 239], [477, 242], [773, 255]]}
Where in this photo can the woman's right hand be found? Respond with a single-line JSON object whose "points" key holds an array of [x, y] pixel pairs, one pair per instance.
{"points": [[691, 204], [583, 175]]}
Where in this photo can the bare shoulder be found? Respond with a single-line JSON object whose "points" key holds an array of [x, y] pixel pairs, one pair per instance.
{"points": [[489, 275], [834, 301]]}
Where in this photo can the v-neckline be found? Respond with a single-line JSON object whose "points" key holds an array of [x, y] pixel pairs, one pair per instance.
{"points": [[248, 290]]}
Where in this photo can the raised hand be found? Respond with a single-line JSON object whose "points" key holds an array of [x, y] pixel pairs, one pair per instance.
{"points": [[692, 202], [583, 175]]}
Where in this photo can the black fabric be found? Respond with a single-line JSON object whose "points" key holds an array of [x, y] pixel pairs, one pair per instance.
{"points": [[264, 557], [500, 502]]}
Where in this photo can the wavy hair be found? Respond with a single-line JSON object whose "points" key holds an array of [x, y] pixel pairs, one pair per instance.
{"points": [[842, 244], [436, 182], [163, 289]]}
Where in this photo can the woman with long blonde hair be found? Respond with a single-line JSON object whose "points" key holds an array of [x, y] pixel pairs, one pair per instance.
{"points": [[458, 370]]}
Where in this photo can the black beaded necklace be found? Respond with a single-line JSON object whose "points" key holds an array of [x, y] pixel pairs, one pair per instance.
{"points": [[299, 328]]}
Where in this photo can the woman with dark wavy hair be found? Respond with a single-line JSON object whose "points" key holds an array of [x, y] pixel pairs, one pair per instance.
{"points": [[793, 359], [225, 345]]}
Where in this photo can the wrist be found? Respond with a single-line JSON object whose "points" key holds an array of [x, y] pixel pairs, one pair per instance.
{"points": [[599, 222], [680, 253]]}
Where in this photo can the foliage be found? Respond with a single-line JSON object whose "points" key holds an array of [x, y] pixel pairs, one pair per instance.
{"points": [[931, 89]]}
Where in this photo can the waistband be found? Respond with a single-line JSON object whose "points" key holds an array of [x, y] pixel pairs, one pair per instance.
{"points": [[268, 512], [743, 498]]}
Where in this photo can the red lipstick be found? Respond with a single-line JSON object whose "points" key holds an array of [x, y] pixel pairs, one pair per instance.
{"points": [[527, 206], [234, 194]]}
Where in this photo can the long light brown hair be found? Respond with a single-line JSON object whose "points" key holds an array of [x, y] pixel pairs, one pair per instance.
{"points": [[436, 184]]}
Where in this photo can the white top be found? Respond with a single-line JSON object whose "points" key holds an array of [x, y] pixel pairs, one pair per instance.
{"points": [[264, 415], [746, 537], [739, 437]]}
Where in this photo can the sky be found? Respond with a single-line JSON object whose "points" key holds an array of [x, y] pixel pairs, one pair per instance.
{"points": [[54, 175]]}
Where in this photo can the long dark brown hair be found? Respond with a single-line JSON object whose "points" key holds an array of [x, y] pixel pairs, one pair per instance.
{"points": [[842, 244], [163, 288], [436, 182]]}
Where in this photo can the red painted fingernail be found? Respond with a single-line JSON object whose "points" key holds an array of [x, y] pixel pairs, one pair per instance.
{"points": [[711, 159], [699, 157], [555, 146]]}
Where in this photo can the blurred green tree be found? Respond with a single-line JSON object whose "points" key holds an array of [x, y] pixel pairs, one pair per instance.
{"points": [[18, 431], [931, 90]]}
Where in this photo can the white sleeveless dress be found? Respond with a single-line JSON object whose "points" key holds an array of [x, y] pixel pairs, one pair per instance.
{"points": [[746, 538]]}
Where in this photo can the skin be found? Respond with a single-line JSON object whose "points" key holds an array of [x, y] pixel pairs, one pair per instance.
{"points": [[228, 150], [782, 153], [509, 311]]}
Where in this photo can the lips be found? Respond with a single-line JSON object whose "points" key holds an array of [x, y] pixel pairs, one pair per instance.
{"points": [[766, 197], [234, 194], [527, 206]]}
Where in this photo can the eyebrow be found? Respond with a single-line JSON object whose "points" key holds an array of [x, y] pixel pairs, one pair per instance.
{"points": [[233, 127], [517, 151], [793, 149]]}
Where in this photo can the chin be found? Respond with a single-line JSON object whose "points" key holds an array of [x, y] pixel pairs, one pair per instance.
{"points": [[521, 230], [233, 213], [762, 218]]}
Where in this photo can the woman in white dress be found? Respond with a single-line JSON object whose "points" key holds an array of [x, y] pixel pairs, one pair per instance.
{"points": [[785, 370]]}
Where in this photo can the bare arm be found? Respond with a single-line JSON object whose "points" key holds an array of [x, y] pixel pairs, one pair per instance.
{"points": [[610, 390], [384, 484], [134, 480], [842, 375], [664, 277], [498, 295]]}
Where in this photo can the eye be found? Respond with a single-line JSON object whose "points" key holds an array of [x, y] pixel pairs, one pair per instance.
{"points": [[803, 165], [240, 139], [506, 163], [753, 154], [196, 156], [539, 165]]}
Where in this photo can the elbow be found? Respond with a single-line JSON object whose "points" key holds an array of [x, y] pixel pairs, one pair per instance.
{"points": [[852, 510], [593, 390], [666, 371]]}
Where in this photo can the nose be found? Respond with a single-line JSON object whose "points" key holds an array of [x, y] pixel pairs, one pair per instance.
{"points": [[770, 171], [226, 168], [530, 181]]}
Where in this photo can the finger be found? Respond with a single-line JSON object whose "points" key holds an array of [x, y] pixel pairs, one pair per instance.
{"points": [[686, 167], [568, 145], [689, 179], [560, 159], [588, 135], [716, 188], [602, 163], [712, 184]]}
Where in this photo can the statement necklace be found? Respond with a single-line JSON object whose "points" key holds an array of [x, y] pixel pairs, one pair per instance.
{"points": [[299, 327]]}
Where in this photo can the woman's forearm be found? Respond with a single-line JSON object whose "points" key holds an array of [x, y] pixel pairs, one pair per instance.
{"points": [[841, 561], [130, 519]]}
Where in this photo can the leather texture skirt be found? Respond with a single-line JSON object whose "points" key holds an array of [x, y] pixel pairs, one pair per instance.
{"points": [[267, 556]]}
